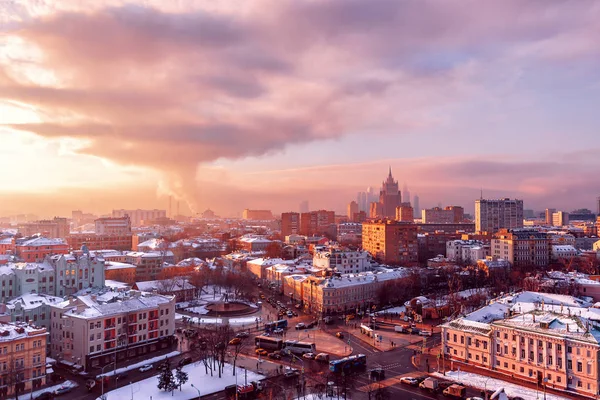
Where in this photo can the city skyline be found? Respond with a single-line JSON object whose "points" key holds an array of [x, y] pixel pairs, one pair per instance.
{"points": [[264, 107]]}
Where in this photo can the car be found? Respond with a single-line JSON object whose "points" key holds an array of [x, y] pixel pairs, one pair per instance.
{"points": [[339, 335], [242, 335], [235, 341], [261, 352], [294, 313], [185, 361], [146, 367], [409, 380], [90, 384], [425, 332], [275, 356], [278, 331], [298, 306], [350, 317], [44, 396], [322, 357], [300, 325], [291, 373], [479, 398], [63, 390], [308, 356], [290, 314], [262, 296]]}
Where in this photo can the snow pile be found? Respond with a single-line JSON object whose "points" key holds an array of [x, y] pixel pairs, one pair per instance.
{"points": [[48, 389], [484, 382], [197, 310], [142, 363], [196, 373]]}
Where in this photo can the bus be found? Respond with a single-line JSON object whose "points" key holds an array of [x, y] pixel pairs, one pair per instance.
{"points": [[348, 364], [299, 348], [268, 343], [271, 326], [366, 330]]}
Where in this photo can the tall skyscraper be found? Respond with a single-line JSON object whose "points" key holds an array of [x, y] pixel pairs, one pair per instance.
{"points": [[549, 212], [405, 194], [352, 210], [493, 215], [389, 197], [416, 207], [304, 206]]}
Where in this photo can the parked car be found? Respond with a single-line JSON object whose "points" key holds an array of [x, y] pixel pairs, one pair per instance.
{"points": [[290, 314], [409, 380], [261, 352], [146, 367], [185, 361], [308, 356], [63, 390], [44, 396], [339, 335], [230, 391], [322, 357], [430, 384], [275, 356], [480, 398], [235, 341], [425, 332], [291, 373], [242, 335], [278, 331], [298, 306], [300, 325]]}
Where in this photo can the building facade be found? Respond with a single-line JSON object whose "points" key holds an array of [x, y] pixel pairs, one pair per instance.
{"points": [[36, 249], [343, 262], [389, 197], [316, 222], [290, 223], [522, 247], [91, 332], [95, 241], [22, 359], [391, 242], [119, 226], [55, 228], [493, 215], [405, 213], [140, 217], [560, 218], [257, 215]]}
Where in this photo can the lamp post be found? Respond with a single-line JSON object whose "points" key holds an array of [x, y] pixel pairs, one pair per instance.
{"points": [[197, 390], [102, 397]]}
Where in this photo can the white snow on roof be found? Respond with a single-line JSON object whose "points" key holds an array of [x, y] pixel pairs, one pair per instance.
{"points": [[113, 265], [42, 241], [14, 330], [30, 301]]}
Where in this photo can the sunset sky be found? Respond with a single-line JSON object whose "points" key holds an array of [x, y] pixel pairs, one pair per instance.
{"points": [[262, 104]]}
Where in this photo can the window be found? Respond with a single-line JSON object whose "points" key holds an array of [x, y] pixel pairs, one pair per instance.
{"points": [[549, 345], [559, 362], [484, 359], [91, 349], [522, 353], [498, 334], [531, 342], [468, 341], [505, 365], [589, 369], [569, 364], [497, 348], [98, 347], [569, 349], [521, 370], [559, 347], [91, 324], [92, 337], [549, 360], [505, 349], [498, 363], [485, 345], [579, 366]]}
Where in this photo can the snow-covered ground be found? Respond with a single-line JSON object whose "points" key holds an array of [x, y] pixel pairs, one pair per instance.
{"points": [[483, 382], [232, 321], [197, 310], [142, 363], [392, 310], [28, 396], [207, 384]]}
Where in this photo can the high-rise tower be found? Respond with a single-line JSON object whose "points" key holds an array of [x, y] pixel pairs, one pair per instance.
{"points": [[389, 197]]}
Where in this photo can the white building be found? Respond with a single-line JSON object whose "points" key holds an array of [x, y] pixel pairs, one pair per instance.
{"points": [[343, 262], [467, 251], [113, 226], [32, 308], [73, 273], [89, 330], [563, 251], [493, 215]]}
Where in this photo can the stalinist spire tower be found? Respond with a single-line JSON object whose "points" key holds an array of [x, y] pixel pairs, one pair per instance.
{"points": [[389, 197]]}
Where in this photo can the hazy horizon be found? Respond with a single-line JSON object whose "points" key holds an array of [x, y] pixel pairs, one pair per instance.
{"points": [[263, 104]]}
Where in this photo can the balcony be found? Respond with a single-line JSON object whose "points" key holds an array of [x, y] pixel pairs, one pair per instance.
{"points": [[109, 337]]}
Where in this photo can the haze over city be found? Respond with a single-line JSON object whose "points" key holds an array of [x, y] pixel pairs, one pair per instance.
{"points": [[228, 105]]}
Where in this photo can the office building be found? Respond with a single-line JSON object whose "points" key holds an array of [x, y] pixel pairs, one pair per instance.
{"points": [[416, 206], [560, 218], [37, 248], [391, 242], [257, 215], [352, 211], [343, 262], [493, 215], [140, 217], [113, 226], [548, 214]]}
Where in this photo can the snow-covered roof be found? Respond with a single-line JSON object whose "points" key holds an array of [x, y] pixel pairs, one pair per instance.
{"points": [[113, 265], [90, 306], [30, 301], [15, 330], [42, 241], [171, 285]]}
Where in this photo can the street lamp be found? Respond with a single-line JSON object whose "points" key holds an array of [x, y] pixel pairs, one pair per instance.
{"points": [[197, 390], [103, 397]]}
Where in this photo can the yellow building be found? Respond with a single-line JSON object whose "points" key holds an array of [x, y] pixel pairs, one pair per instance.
{"points": [[22, 358]]}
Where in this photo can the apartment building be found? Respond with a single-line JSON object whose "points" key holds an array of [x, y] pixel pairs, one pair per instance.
{"points": [[544, 338], [316, 222], [493, 215], [466, 251], [32, 308], [22, 356], [37, 248], [73, 272], [560, 218], [148, 265], [113, 226], [391, 242], [140, 217], [95, 241], [257, 215], [405, 213], [522, 247], [118, 271], [345, 293], [55, 228], [92, 330], [343, 262], [290, 224]]}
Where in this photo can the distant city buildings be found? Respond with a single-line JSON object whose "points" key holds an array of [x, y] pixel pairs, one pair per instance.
{"points": [[493, 215], [549, 215], [140, 217], [303, 208], [113, 226], [447, 215], [405, 213], [257, 215], [389, 197], [57, 227], [416, 206], [522, 247], [316, 222], [560, 218], [352, 211]]}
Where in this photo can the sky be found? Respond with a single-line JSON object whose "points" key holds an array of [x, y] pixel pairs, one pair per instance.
{"points": [[263, 104]]}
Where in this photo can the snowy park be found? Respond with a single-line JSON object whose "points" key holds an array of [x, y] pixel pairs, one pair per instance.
{"points": [[203, 384]]}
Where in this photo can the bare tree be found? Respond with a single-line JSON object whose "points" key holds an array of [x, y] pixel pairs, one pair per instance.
{"points": [[15, 375]]}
